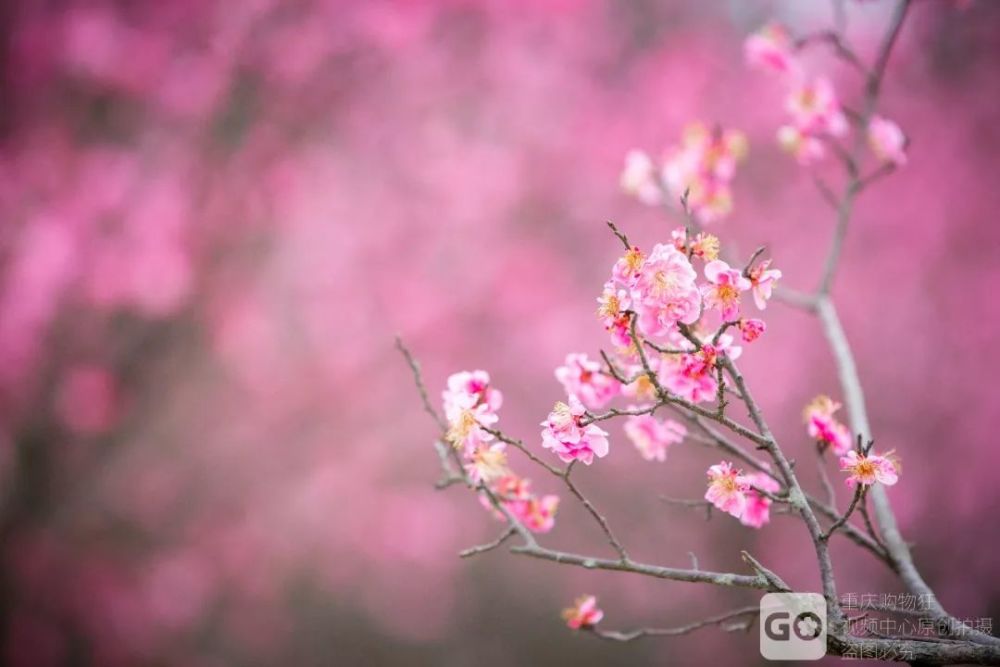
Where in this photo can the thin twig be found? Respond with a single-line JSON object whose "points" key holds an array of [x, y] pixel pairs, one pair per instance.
{"points": [[726, 579], [859, 493], [631, 635], [419, 381], [489, 546], [824, 478], [832, 38], [620, 235], [517, 444], [598, 517]]}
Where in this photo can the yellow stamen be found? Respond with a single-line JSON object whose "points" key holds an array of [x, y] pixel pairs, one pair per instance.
{"points": [[461, 428]]}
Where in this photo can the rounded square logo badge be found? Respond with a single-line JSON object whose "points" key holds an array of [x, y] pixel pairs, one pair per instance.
{"points": [[793, 626]]}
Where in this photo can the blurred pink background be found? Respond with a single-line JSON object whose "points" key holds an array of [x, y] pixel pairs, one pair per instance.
{"points": [[216, 215]]}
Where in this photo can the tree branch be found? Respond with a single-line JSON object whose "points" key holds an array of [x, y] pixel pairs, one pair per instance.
{"points": [[675, 574], [721, 619]]}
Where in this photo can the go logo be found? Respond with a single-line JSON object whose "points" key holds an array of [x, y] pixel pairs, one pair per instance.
{"points": [[793, 626]]}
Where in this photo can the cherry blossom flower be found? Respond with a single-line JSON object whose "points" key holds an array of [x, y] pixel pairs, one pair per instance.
{"points": [[887, 140], [583, 614], [804, 147], [665, 291], [725, 344], [472, 388], [758, 506], [567, 438], [537, 514], [866, 470], [771, 49], [612, 308], [641, 389], [465, 428], [652, 437], [705, 246], [470, 404], [626, 269], [691, 375], [751, 329], [488, 463], [584, 378], [678, 236], [639, 178], [727, 489], [724, 290], [511, 488], [824, 428], [762, 280], [702, 168], [815, 110]]}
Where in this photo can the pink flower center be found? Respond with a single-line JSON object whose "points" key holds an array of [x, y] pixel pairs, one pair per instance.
{"points": [[727, 294], [462, 427], [865, 469]]}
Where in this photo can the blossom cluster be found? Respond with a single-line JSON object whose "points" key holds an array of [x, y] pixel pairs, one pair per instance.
{"points": [[816, 117], [741, 495], [536, 513], [663, 297], [566, 434], [653, 437], [823, 427], [470, 406], [700, 170]]}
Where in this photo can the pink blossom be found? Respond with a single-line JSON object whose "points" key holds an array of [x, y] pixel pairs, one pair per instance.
{"points": [[537, 514], [641, 389], [585, 379], [866, 470], [823, 427], [612, 308], [511, 487], [771, 49], [815, 110], [652, 437], [583, 614], [763, 279], [751, 329], [568, 438], [887, 140], [470, 404], [678, 236], [725, 345], [626, 270], [705, 246], [691, 376], [472, 388], [727, 489], [804, 147], [702, 168], [508, 490], [724, 289], [666, 292], [639, 178], [758, 507], [488, 462]]}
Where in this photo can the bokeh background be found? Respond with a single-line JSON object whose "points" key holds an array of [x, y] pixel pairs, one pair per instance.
{"points": [[215, 216]]}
